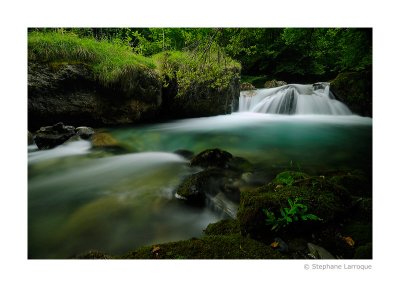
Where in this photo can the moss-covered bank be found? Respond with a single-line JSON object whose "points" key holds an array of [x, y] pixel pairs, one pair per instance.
{"points": [[355, 90], [82, 81]]}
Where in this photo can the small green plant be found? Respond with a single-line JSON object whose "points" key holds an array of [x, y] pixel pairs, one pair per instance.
{"points": [[295, 212]]}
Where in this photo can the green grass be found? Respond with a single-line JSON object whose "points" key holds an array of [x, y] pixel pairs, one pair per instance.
{"points": [[108, 61]]}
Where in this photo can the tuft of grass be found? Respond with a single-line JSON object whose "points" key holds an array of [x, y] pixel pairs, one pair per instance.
{"points": [[109, 61]]}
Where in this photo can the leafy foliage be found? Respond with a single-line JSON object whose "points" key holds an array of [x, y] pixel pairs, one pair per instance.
{"points": [[290, 54], [208, 66], [295, 212]]}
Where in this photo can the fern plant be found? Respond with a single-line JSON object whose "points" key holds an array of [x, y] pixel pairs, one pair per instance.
{"points": [[296, 211]]}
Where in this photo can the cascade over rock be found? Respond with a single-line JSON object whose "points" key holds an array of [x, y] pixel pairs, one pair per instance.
{"points": [[293, 99]]}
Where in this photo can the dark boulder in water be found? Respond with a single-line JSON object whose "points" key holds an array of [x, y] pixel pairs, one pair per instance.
{"points": [[52, 136], [212, 158]]}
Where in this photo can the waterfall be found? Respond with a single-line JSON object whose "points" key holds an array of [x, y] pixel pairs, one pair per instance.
{"points": [[293, 99]]}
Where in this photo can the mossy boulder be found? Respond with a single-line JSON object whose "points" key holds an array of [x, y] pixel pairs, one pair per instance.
{"points": [[209, 182], [274, 84], [355, 90], [245, 86], [212, 158], [197, 86], [223, 227], [356, 182], [322, 197], [208, 247], [289, 177]]}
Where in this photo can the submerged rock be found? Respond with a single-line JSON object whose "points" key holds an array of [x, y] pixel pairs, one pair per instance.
{"points": [[52, 136], [105, 141]]}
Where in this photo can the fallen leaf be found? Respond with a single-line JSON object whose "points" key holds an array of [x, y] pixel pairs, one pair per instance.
{"points": [[349, 240], [155, 249], [274, 244]]}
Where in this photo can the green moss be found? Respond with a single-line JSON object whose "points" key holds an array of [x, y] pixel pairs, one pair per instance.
{"points": [[208, 247], [94, 254], [355, 182], [355, 89], [223, 227], [322, 197], [111, 63], [289, 177]]}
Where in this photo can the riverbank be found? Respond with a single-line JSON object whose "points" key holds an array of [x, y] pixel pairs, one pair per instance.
{"points": [[82, 80]]}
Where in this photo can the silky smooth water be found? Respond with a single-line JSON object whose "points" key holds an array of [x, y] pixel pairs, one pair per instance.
{"points": [[81, 199]]}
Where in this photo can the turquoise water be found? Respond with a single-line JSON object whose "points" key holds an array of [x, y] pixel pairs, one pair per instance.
{"points": [[81, 199]]}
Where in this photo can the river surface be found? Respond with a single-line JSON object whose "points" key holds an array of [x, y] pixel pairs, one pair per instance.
{"points": [[81, 199]]}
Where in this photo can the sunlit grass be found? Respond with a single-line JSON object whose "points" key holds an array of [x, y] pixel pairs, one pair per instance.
{"points": [[108, 61]]}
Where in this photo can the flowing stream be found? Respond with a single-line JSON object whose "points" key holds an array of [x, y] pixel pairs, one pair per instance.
{"points": [[81, 199]]}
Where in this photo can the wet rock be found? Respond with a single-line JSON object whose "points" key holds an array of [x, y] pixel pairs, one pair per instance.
{"points": [[212, 158], [69, 92], [245, 86], [193, 189], [52, 136], [274, 83], [208, 182], [84, 132], [319, 252]]}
